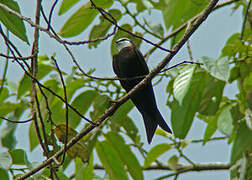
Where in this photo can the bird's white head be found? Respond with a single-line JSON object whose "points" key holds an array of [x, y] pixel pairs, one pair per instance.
{"points": [[122, 43]]}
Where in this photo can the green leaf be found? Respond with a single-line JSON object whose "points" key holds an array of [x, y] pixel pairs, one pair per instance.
{"points": [[234, 74], [11, 22], [182, 83], [182, 115], [177, 12], [157, 28], [82, 103], [100, 30], [7, 107], [125, 154], [233, 46], [73, 86], [122, 112], [101, 103], [79, 149], [172, 12], [111, 161], [120, 119], [84, 171], [211, 126], [242, 142], [218, 68], [8, 138], [172, 162], [130, 128], [19, 157], [33, 139], [225, 121], [66, 5], [25, 83], [5, 160], [247, 83], [4, 174], [139, 5], [4, 94], [155, 152], [211, 95], [82, 18], [249, 99], [46, 173]]}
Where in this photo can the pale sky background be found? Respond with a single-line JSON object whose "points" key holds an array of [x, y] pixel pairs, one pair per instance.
{"points": [[208, 40]]}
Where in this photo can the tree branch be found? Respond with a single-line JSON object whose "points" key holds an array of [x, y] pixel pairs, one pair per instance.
{"points": [[180, 167]]}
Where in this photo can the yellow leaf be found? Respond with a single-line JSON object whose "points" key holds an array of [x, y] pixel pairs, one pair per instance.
{"points": [[80, 149]]}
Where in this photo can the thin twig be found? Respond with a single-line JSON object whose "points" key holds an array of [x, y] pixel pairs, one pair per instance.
{"points": [[245, 19], [197, 168], [50, 15], [19, 58], [66, 103], [13, 121], [5, 66]]}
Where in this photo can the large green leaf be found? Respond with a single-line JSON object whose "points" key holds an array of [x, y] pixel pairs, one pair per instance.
{"points": [[100, 30], [194, 91], [125, 154], [4, 174], [4, 93], [120, 119], [233, 45], [7, 107], [155, 152], [182, 114], [82, 18], [13, 23], [19, 157], [66, 5], [8, 138], [82, 102], [130, 128], [122, 112], [182, 83], [211, 95], [111, 161], [25, 83], [101, 103], [242, 142], [84, 171], [173, 12], [73, 86], [225, 120], [5, 160], [212, 124], [218, 68], [33, 139], [177, 12], [140, 7]]}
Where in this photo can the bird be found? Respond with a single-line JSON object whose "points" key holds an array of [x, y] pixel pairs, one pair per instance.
{"points": [[129, 63]]}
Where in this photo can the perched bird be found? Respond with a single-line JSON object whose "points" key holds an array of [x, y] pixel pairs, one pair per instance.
{"points": [[129, 63]]}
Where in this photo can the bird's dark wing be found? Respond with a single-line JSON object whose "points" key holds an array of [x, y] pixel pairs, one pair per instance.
{"points": [[142, 61], [116, 65]]}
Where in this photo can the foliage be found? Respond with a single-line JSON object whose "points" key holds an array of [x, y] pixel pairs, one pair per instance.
{"points": [[193, 92]]}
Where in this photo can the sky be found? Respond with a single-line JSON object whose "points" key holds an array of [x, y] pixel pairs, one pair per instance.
{"points": [[208, 40]]}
